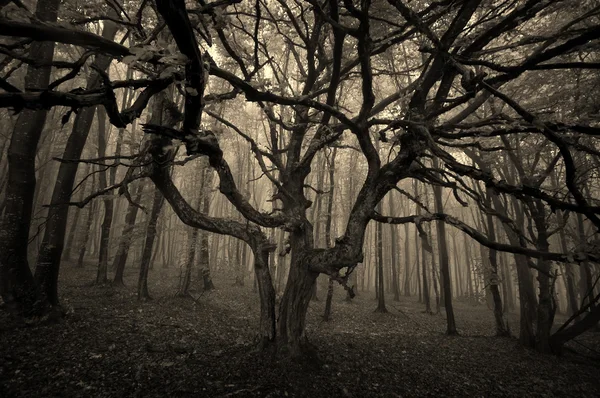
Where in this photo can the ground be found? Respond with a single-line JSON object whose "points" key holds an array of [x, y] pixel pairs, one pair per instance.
{"points": [[111, 345]]}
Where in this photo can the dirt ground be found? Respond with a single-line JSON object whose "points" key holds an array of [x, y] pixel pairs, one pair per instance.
{"points": [[111, 345]]}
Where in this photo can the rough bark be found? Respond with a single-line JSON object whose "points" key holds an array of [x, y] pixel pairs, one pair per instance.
{"points": [[17, 285]]}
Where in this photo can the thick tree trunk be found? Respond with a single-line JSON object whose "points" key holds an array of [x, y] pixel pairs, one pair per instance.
{"points": [[48, 264], [294, 305], [17, 285]]}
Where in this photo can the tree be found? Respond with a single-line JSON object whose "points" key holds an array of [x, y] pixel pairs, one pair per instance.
{"points": [[334, 91], [17, 284]]}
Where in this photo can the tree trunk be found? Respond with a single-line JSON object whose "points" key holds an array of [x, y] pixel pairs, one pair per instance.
{"points": [[142, 288], [48, 264], [17, 285], [75, 222], [406, 262], [295, 301], [328, 222], [127, 236], [501, 329], [186, 277], [91, 207], [394, 253], [527, 300], [443, 259], [380, 280], [102, 274], [585, 272]]}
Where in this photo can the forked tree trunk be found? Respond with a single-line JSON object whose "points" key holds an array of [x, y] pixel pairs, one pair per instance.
{"points": [[17, 285]]}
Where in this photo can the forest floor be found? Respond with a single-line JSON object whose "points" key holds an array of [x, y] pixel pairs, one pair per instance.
{"points": [[111, 345]]}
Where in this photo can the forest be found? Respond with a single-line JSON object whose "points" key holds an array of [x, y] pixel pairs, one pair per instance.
{"points": [[320, 198]]}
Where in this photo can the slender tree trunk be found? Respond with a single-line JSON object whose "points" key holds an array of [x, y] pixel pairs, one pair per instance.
{"points": [[126, 236], [443, 259], [91, 207], [406, 261], [75, 223], [102, 274], [186, 277], [425, 285], [585, 272], [381, 282], [328, 222], [17, 285], [142, 288], [501, 329], [394, 253]]}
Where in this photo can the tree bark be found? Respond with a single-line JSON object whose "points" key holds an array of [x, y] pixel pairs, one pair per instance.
{"points": [[380, 280], [443, 259], [501, 329], [17, 286], [186, 277], [102, 274], [142, 287], [328, 223], [120, 259], [91, 207], [48, 264]]}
